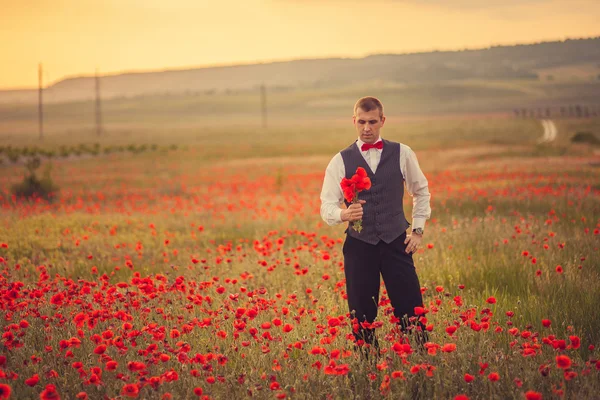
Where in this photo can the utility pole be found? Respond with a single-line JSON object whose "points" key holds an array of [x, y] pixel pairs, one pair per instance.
{"points": [[98, 106], [263, 98], [40, 106]]}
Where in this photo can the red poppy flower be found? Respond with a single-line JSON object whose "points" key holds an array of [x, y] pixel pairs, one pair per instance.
{"points": [[348, 194], [420, 310], [546, 323], [563, 361], [398, 375], [361, 180], [449, 347], [351, 187], [4, 391], [32, 381], [57, 299], [348, 188], [49, 393], [136, 366], [575, 342], [130, 390], [493, 376], [531, 395]]}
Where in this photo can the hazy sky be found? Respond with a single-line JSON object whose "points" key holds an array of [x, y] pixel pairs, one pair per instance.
{"points": [[74, 37]]}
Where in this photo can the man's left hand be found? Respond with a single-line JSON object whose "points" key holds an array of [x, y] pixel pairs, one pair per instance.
{"points": [[413, 242]]}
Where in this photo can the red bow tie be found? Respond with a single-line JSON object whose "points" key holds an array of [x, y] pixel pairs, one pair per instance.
{"points": [[367, 146]]}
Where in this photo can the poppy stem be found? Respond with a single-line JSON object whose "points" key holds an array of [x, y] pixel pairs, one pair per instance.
{"points": [[356, 225]]}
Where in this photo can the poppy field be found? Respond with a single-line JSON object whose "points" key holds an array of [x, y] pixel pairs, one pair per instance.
{"points": [[198, 273]]}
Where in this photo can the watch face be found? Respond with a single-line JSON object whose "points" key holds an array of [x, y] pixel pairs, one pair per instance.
{"points": [[418, 231]]}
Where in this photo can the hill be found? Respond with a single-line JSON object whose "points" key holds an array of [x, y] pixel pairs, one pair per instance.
{"points": [[569, 60]]}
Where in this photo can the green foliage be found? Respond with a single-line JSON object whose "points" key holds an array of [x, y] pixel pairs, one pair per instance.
{"points": [[33, 187], [585, 137], [64, 151], [13, 156]]}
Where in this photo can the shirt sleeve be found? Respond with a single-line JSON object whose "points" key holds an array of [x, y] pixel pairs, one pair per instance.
{"points": [[331, 193], [417, 187]]}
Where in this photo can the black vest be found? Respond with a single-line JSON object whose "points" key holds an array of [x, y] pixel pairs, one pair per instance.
{"points": [[383, 214]]}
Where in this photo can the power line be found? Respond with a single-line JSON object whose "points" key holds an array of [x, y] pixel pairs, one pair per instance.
{"points": [[98, 106], [40, 102]]}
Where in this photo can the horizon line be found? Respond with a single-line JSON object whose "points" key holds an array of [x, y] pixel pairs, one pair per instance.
{"points": [[276, 61]]}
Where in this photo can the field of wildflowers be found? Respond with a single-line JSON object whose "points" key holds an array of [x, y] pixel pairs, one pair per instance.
{"points": [[189, 275]]}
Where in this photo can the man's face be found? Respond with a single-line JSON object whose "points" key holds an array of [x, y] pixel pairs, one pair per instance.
{"points": [[368, 124]]}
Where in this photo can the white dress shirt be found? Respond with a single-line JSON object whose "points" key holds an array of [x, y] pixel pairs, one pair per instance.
{"points": [[414, 179]]}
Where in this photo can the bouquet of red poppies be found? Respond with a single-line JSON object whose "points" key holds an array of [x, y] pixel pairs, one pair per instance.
{"points": [[352, 187]]}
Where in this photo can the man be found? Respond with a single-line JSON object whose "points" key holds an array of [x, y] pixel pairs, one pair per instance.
{"points": [[382, 247]]}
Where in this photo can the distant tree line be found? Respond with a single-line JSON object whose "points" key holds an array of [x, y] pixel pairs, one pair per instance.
{"points": [[570, 111], [15, 153]]}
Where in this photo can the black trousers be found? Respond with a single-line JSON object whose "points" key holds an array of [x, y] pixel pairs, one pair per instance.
{"points": [[363, 264]]}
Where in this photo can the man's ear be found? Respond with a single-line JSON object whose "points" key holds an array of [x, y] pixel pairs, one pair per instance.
{"points": [[354, 119], [382, 120]]}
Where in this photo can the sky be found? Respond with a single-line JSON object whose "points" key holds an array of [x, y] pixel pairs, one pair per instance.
{"points": [[77, 37]]}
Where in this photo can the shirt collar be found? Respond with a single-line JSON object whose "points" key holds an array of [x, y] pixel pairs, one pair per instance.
{"points": [[359, 143]]}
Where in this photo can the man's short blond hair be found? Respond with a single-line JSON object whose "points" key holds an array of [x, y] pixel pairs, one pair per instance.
{"points": [[369, 103]]}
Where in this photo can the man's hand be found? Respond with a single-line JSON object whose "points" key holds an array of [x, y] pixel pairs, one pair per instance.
{"points": [[413, 242], [354, 212]]}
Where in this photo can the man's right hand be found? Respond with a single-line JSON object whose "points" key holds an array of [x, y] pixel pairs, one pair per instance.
{"points": [[354, 212]]}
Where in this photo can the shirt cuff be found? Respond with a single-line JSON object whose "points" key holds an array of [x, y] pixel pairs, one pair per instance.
{"points": [[338, 215], [418, 223]]}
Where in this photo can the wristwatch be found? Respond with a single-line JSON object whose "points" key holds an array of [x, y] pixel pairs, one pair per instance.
{"points": [[418, 231]]}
